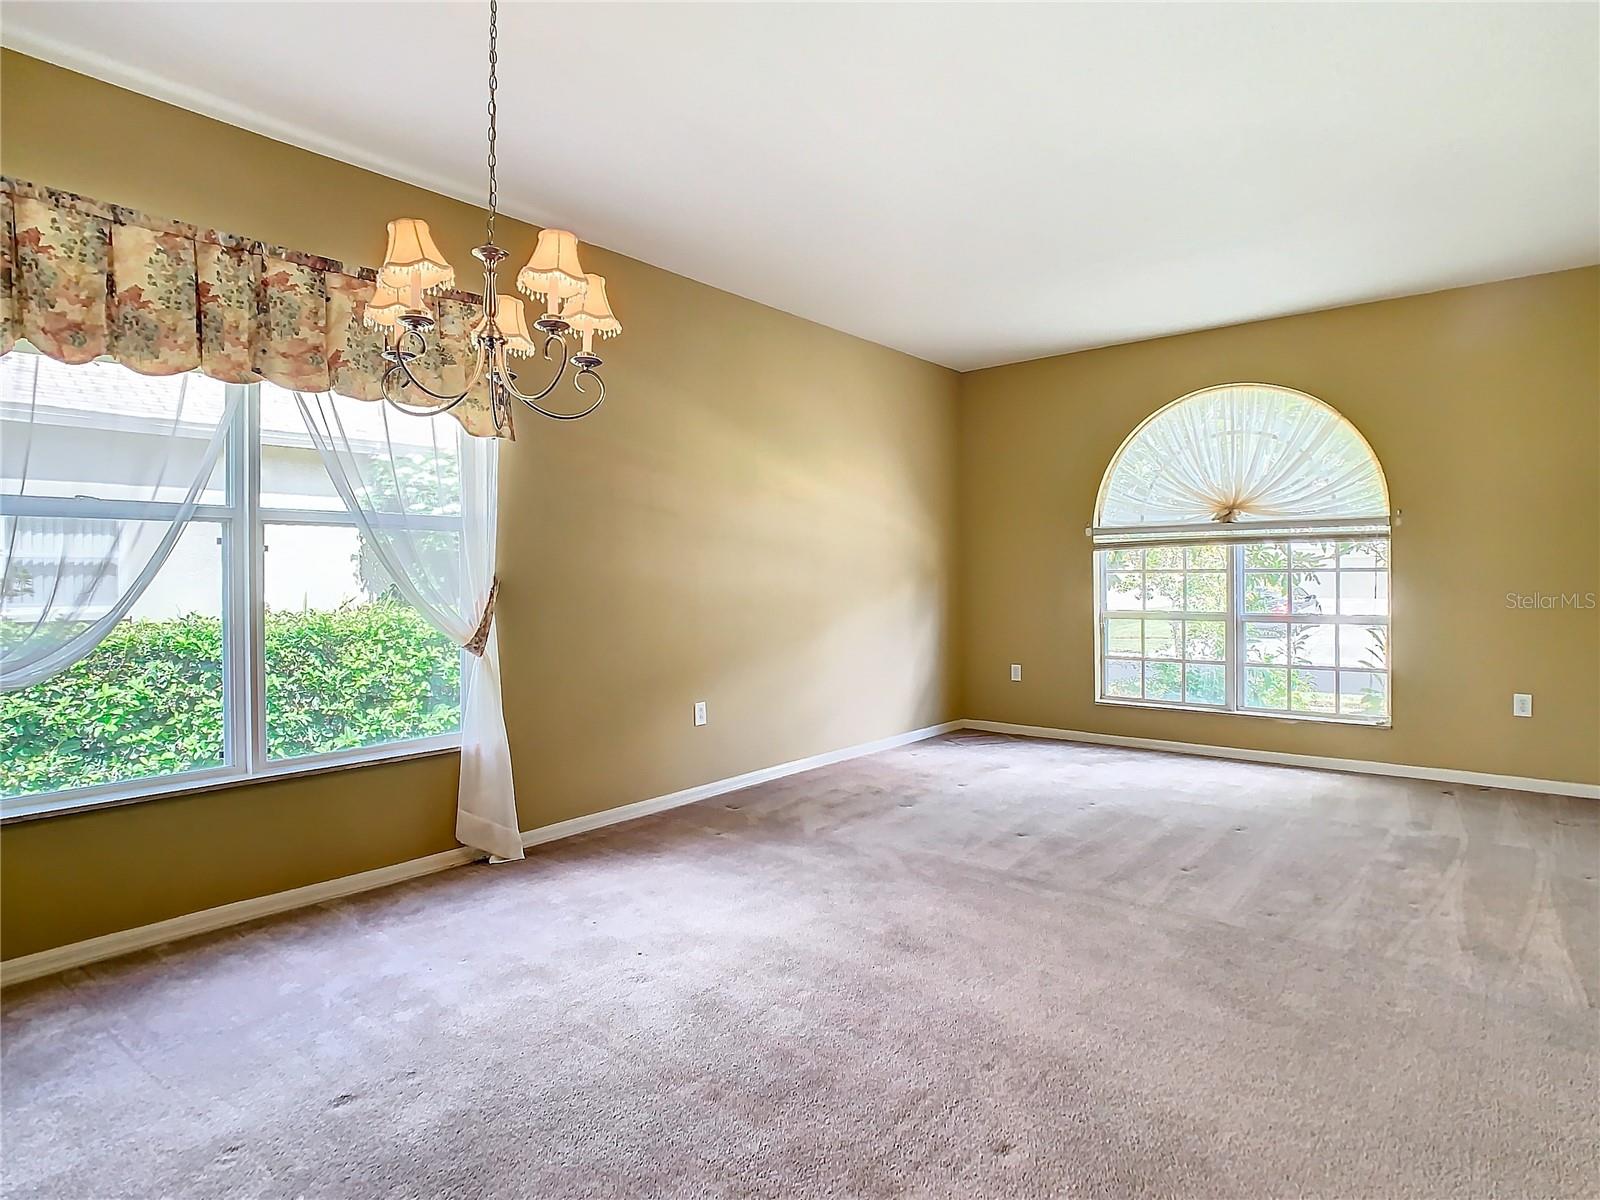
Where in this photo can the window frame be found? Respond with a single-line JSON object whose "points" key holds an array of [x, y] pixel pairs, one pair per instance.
{"points": [[1236, 619], [241, 522]]}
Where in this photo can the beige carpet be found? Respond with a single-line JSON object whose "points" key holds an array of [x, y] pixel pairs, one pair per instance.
{"points": [[974, 967]]}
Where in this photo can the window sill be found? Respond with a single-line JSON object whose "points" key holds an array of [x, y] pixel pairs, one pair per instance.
{"points": [[16, 809], [1297, 718]]}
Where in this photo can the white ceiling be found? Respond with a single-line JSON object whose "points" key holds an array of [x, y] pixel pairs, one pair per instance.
{"points": [[973, 184]]}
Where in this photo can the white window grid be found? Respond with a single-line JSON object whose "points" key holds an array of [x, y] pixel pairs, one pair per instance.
{"points": [[240, 522], [1191, 583], [1344, 625]]}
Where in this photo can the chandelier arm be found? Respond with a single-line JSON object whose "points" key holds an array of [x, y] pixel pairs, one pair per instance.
{"points": [[425, 410], [561, 370], [411, 380], [532, 401], [600, 385], [577, 382], [401, 366]]}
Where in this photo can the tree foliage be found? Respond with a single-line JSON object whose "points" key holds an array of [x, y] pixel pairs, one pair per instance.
{"points": [[148, 700]]}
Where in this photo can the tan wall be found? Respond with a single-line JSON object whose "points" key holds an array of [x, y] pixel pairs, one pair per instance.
{"points": [[761, 517], [1484, 406]]}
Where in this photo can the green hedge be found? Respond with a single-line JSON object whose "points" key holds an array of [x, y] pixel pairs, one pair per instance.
{"points": [[148, 700]]}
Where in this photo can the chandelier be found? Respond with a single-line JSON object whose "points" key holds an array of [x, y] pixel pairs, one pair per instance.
{"points": [[574, 302]]}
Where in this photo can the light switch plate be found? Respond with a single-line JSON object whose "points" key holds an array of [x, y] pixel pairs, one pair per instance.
{"points": [[1016, 672], [1521, 704], [699, 712]]}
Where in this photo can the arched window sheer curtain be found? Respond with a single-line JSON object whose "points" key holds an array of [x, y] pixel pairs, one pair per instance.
{"points": [[423, 493], [86, 522], [1240, 462]]}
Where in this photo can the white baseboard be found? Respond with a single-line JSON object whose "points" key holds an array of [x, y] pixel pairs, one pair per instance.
{"points": [[1519, 783], [208, 920], [126, 941], [721, 787]]}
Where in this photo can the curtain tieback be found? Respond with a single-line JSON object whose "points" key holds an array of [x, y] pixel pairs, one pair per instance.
{"points": [[480, 636]]}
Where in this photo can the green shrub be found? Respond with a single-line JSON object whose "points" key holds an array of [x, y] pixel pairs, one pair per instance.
{"points": [[370, 673], [148, 700]]}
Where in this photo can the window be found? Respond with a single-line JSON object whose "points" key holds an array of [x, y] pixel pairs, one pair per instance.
{"points": [[268, 637], [1296, 628], [1166, 625], [1242, 561], [347, 663]]}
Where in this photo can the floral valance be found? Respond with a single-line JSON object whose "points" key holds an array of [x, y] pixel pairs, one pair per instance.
{"points": [[80, 280]]}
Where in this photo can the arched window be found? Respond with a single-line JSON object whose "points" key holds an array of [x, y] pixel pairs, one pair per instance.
{"points": [[1242, 560]]}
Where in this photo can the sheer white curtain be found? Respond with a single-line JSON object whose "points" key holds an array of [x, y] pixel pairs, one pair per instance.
{"points": [[100, 471], [423, 494], [1243, 454]]}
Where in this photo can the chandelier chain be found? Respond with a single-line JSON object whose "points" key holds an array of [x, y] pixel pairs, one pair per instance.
{"points": [[494, 82]]}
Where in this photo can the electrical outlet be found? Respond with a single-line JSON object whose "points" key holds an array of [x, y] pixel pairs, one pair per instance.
{"points": [[699, 712], [1521, 704], [1016, 672]]}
